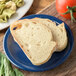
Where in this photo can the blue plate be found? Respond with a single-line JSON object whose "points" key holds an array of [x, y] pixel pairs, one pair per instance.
{"points": [[18, 58]]}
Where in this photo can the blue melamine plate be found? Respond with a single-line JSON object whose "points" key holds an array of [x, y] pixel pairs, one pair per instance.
{"points": [[18, 58]]}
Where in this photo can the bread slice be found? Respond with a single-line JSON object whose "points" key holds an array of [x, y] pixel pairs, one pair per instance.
{"points": [[59, 32], [35, 39]]}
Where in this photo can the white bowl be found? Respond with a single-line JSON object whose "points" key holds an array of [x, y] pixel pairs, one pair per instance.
{"points": [[19, 13]]}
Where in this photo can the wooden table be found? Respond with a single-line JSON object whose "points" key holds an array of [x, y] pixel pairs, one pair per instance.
{"points": [[68, 68]]}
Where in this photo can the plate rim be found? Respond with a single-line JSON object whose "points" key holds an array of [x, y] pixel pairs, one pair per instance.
{"points": [[61, 60]]}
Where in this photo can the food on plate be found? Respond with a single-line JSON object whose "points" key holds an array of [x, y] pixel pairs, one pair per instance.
{"points": [[7, 13], [35, 39], [67, 9], [39, 38], [11, 5], [8, 8], [59, 32], [18, 3]]}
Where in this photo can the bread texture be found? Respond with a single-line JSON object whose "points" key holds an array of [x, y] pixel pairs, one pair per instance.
{"points": [[59, 32], [35, 39]]}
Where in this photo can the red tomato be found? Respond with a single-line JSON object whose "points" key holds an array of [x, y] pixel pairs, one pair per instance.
{"points": [[61, 6]]}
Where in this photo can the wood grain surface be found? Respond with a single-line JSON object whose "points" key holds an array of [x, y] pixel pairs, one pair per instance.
{"points": [[68, 68], [38, 5]]}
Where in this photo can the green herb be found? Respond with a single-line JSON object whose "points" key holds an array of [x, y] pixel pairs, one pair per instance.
{"points": [[6, 67], [1, 67], [18, 73]]}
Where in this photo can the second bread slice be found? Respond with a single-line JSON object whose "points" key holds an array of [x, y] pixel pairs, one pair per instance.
{"points": [[59, 32]]}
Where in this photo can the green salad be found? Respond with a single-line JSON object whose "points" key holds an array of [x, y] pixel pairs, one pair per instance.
{"points": [[6, 67], [8, 8]]}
